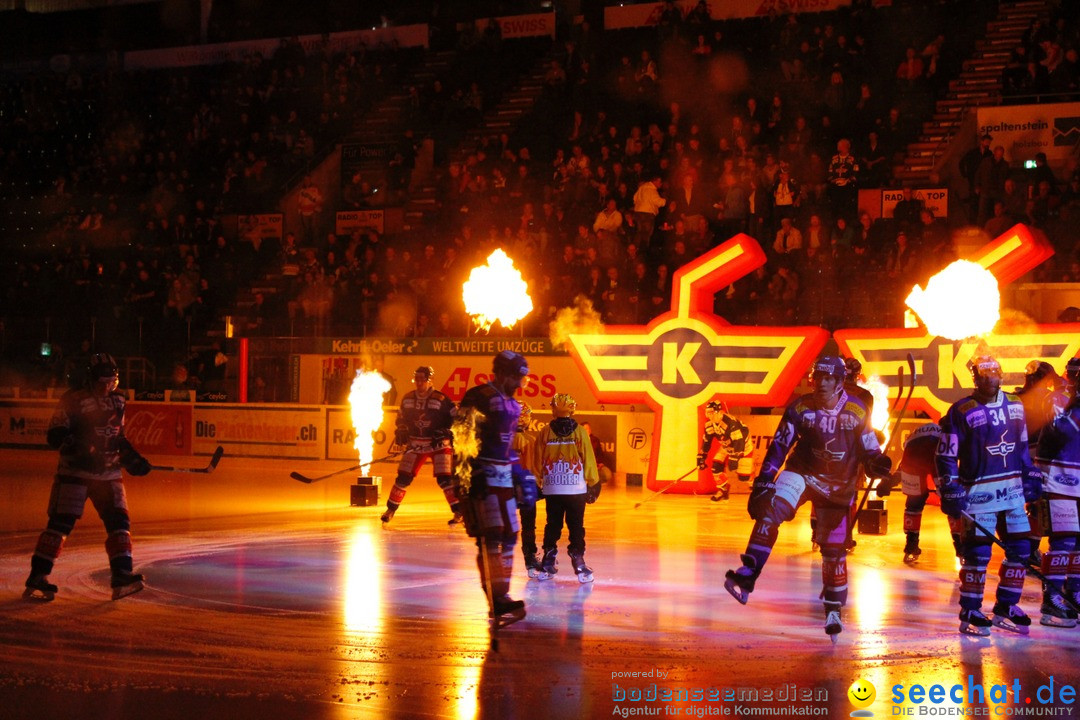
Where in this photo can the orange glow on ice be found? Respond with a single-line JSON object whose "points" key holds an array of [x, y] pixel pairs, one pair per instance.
{"points": [[496, 292]]}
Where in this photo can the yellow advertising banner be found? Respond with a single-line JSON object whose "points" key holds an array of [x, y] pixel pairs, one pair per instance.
{"points": [[259, 430]]}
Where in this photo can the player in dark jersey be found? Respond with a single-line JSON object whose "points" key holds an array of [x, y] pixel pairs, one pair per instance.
{"points": [[87, 428], [497, 482], [734, 453], [824, 437], [423, 427], [985, 471]]}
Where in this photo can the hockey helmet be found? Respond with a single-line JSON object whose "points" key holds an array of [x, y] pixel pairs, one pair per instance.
{"points": [[853, 366], [1036, 370], [102, 368], [831, 365], [714, 406], [426, 370], [983, 366], [1072, 370], [563, 405], [510, 364]]}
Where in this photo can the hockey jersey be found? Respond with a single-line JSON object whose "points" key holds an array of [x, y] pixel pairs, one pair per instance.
{"points": [[426, 419], [496, 432], [93, 426], [985, 447], [563, 460], [825, 446], [732, 435], [1058, 454]]}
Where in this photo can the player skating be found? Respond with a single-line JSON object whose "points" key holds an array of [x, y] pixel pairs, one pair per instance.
{"points": [[423, 428], [735, 449], [1058, 455], [566, 470], [985, 470], [493, 483], [828, 436], [88, 429]]}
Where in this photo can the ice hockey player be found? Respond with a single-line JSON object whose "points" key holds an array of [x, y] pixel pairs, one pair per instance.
{"points": [[496, 483], [566, 471], [423, 428], [735, 454], [87, 427], [828, 436], [915, 478], [522, 447], [985, 473], [1058, 456]]}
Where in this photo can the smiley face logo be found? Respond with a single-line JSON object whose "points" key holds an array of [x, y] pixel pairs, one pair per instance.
{"points": [[861, 694]]}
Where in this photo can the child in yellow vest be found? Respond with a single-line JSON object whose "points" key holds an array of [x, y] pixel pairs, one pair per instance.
{"points": [[565, 467]]}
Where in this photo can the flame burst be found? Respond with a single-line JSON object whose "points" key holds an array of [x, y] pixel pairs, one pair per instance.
{"points": [[466, 443], [581, 319], [366, 406], [880, 419], [959, 302], [496, 292]]}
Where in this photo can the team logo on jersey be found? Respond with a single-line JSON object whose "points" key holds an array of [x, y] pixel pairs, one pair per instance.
{"points": [[689, 355], [941, 364], [1002, 449], [828, 455]]}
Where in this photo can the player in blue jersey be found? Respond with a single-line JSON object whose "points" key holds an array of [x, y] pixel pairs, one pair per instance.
{"points": [[825, 437], [87, 428], [497, 482], [985, 472], [1058, 456]]}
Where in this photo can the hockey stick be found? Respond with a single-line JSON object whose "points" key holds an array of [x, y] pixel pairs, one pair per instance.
{"points": [[896, 425], [1031, 567], [208, 469], [305, 479], [667, 487]]}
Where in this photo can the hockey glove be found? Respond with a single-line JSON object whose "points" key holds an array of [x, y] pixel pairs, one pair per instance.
{"points": [[886, 485], [701, 461], [526, 490], [879, 466], [593, 493], [954, 498], [761, 495], [132, 461], [401, 436], [1033, 483]]}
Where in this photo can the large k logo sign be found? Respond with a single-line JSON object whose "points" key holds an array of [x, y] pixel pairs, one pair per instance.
{"points": [[688, 355]]}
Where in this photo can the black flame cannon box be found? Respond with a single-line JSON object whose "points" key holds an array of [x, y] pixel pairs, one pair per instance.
{"points": [[365, 492], [874, 519]]}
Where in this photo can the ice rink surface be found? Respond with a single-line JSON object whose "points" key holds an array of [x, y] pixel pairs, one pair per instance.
{"points": [[268, 598]]}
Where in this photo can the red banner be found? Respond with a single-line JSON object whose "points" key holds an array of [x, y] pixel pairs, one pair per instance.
{"points": [[159, 429]]}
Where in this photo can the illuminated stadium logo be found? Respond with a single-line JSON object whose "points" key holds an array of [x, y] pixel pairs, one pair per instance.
{"points": [[1066, 131]]}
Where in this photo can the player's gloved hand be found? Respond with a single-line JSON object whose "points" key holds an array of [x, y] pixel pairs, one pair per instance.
{"points": [[401, 436], [954, 498], [879, 466], [761, 495], [526, 490], [440, 438], [1033, 483], [137, 466], [886, 485], [701, 461], [592, 493]]}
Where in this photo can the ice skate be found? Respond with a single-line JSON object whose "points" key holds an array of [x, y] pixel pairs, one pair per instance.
{"points": [[1011, 618], [583, 571], [507, 611], [833, 626], [532, 564], [38, 587], [124, 584], [387, 516], [1056, 613], [973, 622], [549, 565], [456, 520], [722, 493], [911, 551], [740, 582]]}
